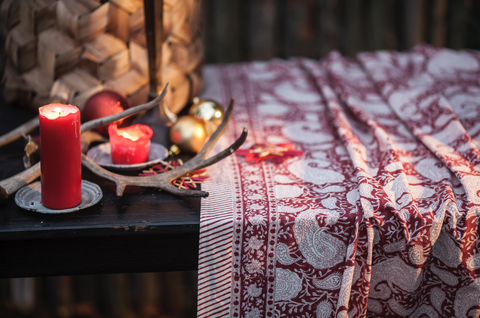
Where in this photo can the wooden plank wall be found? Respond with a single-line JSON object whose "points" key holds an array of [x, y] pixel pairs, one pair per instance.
{"points": [[146, 295], [245, 30]]}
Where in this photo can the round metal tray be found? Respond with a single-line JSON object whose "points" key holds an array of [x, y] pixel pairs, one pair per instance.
{"points": [[30, 198], [101, 154]]}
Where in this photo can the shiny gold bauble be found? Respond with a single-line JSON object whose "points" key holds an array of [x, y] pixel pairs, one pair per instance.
{"points": [[188, 134], [209, 111]]}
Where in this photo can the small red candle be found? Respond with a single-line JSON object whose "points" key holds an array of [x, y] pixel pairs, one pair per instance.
{"points": [[61, 156], [129, 145]]}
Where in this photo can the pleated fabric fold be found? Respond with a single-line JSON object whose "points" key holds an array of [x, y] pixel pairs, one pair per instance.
{"points": [[378, 218]]}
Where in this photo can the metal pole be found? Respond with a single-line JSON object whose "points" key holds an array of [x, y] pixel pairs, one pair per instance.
{"points": [[154, 33]]}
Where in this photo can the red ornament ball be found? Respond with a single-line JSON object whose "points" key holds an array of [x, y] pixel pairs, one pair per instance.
{"points": [[103, 104]]}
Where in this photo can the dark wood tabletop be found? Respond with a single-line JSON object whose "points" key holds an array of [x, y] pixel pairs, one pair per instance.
{"points": [[146, 230]]}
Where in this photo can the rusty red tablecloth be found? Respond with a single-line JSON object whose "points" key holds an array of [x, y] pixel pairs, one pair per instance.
{"points": [[378, 218]]}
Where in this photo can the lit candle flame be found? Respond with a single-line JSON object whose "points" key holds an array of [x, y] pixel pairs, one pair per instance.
{"points": [[54, 111], [58, 110], [132, 138]]}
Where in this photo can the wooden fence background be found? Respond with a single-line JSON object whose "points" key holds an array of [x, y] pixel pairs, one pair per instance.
{"points": [[244, 30], [142, 295]]}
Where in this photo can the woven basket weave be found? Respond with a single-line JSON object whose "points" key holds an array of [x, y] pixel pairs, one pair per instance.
{"points": [[74, 48]]}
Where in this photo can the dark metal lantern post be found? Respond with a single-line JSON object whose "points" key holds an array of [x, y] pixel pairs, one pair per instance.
{"points": [[154, 33]]}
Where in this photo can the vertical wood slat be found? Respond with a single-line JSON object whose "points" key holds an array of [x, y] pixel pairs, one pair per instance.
{"points": [[120, 295], [85, 293], [374, 26], [439, 23], [457, 22], [227, 28], [6, 303], [391, 38], [413, 22], [299, 28], [206, 29], [327, 27], [23, 294], [59, 294], [352, 41], [261, 29], [225, 34], [180, 291], [473, 26], [147, 294]]}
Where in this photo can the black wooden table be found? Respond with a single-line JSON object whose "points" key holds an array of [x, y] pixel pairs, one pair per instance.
{"points": [[146, 231]]}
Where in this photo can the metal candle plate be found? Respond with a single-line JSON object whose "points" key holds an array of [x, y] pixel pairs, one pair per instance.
{"points": [[29, 198], [101, 154]]}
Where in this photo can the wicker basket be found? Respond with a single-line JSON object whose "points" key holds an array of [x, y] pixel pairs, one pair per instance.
{"points": [[75, 48]]}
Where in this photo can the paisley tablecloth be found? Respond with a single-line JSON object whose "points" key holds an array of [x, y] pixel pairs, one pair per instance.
{"points": [[378, 218]]}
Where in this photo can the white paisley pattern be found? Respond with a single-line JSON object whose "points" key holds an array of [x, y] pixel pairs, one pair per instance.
{"points": [[283, 254], [378, 218], [287, 284], [321, 249], [324, 309], [330, 282]]}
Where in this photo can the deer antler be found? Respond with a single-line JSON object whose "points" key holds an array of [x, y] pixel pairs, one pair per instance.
{"points": [[163, 180], [19, 131], [12, 184], [126, 113]]}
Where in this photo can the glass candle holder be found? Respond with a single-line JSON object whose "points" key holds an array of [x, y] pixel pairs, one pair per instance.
{"points": [[129, 145]]}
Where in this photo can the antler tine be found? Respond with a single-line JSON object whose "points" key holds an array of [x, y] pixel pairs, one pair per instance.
{"points": [[12, 184], [17, 132], [116, 178], [218, 132], [193, 165], [121, 182], [163, 180], [128, 112]]}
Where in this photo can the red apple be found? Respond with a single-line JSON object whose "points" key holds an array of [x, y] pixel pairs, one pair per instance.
{"points": [[103, 104]]}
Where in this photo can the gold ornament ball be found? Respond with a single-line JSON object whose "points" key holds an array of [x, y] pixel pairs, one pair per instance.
{"points": [[209, 111], [188, 134]]}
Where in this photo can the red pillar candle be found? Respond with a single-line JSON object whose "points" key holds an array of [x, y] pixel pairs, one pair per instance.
{"points": [[60, 156], [129, 145]]}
